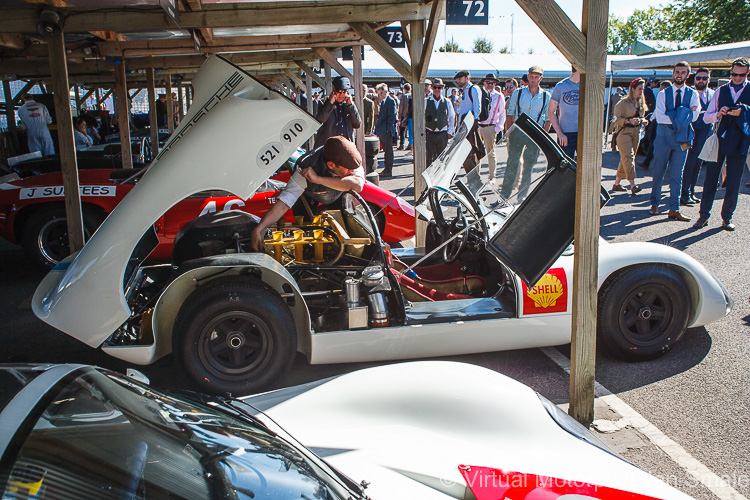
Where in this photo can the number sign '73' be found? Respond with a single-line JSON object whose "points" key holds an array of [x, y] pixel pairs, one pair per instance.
{"points": [[466, 12]]}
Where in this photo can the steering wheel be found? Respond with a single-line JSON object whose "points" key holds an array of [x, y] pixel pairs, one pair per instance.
{"points": [[457, 225]]}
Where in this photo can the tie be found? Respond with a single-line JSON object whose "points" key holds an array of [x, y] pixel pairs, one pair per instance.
{"points": [[678, 101]]}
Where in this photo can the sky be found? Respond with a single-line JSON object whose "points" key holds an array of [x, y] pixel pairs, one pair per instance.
{"points": [[525, 33]]}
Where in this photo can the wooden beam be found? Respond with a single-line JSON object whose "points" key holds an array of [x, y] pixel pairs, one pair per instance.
{"points": [[23, 91], [405, 33], [104, 97], [66, 141], [234, 15], [382, 48], [308, 94], [10, 115], [296, 79], [152, 118], [87, 95], [109, 36], [170, 104], [309, 71], [416, 29], [359, 99], [328, 87], [429, 42], [13, 41], [135, 92], [123, 114], [332, 61], [558, 27], [77, 90], [180, 100], [588, 185]]}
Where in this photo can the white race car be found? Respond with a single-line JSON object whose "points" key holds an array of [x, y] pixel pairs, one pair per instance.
{"points": [[423, 430], [493, 277]]}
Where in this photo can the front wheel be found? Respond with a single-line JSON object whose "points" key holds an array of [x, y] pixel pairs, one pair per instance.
{"points": [[643, 312], [234, 336]]}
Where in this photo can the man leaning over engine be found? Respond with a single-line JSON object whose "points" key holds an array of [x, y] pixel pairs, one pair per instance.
{"points": [[323, 174]]}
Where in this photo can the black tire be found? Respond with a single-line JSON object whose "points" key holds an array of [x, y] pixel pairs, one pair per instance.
{"points": [[643, 312], [45, 235], [211, 337], [379, 216], [372, 145]]}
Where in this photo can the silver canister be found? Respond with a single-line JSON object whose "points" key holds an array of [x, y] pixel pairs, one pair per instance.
{"points": [[351, 285], [378, 310]]}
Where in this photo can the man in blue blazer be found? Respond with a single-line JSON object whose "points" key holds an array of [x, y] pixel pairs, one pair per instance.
{"points": [[385, 128]]}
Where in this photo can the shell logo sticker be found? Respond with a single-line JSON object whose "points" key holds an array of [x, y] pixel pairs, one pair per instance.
{"points": [[549, 295]]}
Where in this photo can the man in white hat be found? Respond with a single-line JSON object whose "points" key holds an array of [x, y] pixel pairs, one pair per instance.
{"points": [[489, 128]]}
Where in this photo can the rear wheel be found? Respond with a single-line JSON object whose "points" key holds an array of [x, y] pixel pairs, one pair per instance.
{"points": [[234, 336], [643, 312], [45, 235]]}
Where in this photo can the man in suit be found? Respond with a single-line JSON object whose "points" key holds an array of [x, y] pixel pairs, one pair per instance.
{"points": [[676, 108], [385, 128], [702, 130], [731, 104]]}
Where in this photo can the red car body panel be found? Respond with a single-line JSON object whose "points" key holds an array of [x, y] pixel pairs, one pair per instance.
{"points": [[19, 198]]}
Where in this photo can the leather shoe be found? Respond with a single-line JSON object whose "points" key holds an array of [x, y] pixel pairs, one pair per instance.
{"points": [[636, 189], [728, 226], [617, 187], [654, 210], [686, 202], [701, 222], [678, 216], [386, 173], [695, 198]]}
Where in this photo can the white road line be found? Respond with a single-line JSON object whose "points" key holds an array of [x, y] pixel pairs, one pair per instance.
{"points": [[684, 459]]}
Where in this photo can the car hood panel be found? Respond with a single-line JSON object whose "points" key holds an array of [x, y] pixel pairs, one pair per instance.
{"points": [[233, 120], [406, 428]]}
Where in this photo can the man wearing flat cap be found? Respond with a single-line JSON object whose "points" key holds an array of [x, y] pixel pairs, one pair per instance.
{"points": [[534, 102], [493, 125], [471, 102], [338, 115], [323, 174], [440, 119]]}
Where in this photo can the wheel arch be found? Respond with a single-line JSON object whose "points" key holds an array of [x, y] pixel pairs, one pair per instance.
{"points": [[256, 267]]}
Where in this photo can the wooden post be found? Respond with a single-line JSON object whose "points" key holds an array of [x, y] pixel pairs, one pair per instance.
{"points": [[588, 183], [10, 114], [308, 92], [153, 120], [170, 104], [78, 97], [59, 70], [180, 100], [359, 97], [123, 114], [416, 40], [328, 79]]}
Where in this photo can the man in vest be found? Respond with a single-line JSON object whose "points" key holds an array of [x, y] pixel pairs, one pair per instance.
{"points": [[471, 102], [35, 118], [534, 101], [440, 119], [676, 109], [702, 131], [322, 174], [730, 104], [489, 128]]}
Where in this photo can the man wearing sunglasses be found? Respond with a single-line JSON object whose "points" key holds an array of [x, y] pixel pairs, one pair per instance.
{"points": [[338, 115], [702, 131], [731, 105], [440, 119]]}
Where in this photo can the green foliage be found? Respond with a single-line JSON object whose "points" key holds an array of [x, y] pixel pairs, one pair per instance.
{"points": [[483, 44], [531, 50], [450, 47], [503, 50], [705, 22]]}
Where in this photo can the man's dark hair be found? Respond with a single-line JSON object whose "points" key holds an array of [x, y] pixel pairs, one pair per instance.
{"points": [[703, 70], [683, 64], [741, 62]]}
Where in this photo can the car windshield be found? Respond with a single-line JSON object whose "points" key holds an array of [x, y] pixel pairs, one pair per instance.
{"points": [[104, 436]]}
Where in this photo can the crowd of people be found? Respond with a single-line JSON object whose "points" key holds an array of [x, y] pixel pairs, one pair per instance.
{"points": [[679, 118]]}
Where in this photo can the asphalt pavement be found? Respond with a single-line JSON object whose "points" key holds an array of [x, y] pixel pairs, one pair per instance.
{"points": [[695, 397]]}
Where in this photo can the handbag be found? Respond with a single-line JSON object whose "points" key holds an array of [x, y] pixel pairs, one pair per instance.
{"points": [[710, 150]]}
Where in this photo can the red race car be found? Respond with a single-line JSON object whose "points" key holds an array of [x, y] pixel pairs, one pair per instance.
{"points": [[32, 210]]}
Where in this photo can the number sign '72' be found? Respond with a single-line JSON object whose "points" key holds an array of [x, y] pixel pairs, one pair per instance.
{"points": [[467, 12]]}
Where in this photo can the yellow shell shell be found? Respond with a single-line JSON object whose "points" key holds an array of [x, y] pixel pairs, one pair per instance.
{"points": [[547, 291]]}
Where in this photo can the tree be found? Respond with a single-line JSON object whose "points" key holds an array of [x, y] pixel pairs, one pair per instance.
{"points": [[483, 44], [450, 47]]}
